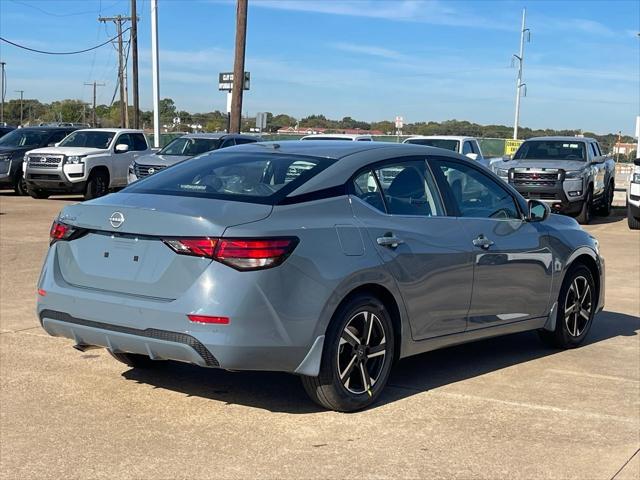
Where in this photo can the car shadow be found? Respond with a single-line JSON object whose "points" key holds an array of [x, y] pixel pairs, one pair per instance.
{"points": [[281, 392], [617, 214]]}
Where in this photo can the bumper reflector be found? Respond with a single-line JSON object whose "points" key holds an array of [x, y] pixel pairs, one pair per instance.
{"points": [[208, 319], [42, 293]]}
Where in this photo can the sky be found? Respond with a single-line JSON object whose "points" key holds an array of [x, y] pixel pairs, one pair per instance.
{"points": [[367, 59]]}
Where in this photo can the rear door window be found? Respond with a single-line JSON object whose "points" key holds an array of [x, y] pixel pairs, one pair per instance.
{"points": [[139, 142]]}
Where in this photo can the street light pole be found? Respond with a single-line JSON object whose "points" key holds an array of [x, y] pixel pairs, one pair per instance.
{"points": [[21, 92], [238, 67], [154, 73], [519, 84], [3, 89]]}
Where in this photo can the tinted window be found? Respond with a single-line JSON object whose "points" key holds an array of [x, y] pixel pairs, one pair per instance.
{"points": [[408, 189], [366, 188], [436, 142], [24, 138], [88, 138], [551, 150], [139, 142], [467, 148], [472, 193], [598, 148], [228, 142], [58, 136], [240, 141], [238, 176], [125, 139]]}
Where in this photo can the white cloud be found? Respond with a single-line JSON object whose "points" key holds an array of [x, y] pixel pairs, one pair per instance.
{"points": [[368, 50]]}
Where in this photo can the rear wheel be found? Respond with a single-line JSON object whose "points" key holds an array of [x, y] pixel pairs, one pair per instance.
{"points": [[134, 360], [577, 304], [584, 217], [38, 193], [97, 186], [357, 357]]}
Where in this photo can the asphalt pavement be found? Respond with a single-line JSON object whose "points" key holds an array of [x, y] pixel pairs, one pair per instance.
{"points": [[503, 408]]}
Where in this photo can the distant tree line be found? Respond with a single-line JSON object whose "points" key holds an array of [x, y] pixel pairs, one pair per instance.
{"points": [[34, 112]]}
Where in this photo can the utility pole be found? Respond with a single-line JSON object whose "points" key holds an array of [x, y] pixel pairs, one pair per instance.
{"points": [[134, 58], [95, 84], [124, 101], [519, 84], [21, 92], [238, 67], [154, 73], [3, 89]]}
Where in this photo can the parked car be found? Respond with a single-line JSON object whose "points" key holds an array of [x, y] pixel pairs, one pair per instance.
{"points": [[13, 147], [237, 259], [467, 146], [339, 136], [570, 174], [184, 147], [89, 161], [633, 197], [4, 129]]}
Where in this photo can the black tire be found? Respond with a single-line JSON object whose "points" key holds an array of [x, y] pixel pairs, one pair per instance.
{"points": [[38, 193], [347, 351], [573, 326], [135, 360], [97, 185], [604, 209], [584, 217], [633, 222], [19, 185]]}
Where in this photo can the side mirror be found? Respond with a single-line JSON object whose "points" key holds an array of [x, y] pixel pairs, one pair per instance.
{"points": [[538, 211], [472, 156], [636, 162], [506, 158], [122, 148]]}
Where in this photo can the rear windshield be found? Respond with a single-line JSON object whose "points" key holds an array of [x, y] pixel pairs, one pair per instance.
{"points": [[452, 145], [551, 150], [189, 147], [254, 177], [87, 138]]}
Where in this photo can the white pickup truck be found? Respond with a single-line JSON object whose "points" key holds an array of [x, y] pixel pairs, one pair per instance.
{"points": [[90, 161], [467, 146], [633, 197]]}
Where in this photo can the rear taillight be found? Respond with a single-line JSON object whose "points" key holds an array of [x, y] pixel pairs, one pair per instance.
{"points": [[61, 231], [239, 253]]}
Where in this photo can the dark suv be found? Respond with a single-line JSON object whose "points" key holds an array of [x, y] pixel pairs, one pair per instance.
{"points": [[16, 143]]}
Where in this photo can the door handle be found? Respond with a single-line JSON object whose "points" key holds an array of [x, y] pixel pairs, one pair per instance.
{"points": [[482, 242], [389, 240]]}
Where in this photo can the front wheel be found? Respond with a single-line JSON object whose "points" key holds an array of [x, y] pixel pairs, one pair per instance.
{"points": [[97, 186], [633, 222], [577, 304], [357, 357], [605, 208], [20, 185], [584, 217]]}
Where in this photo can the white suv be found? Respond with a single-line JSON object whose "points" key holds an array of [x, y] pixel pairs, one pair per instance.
{"points": [[633, 197], [89, 161]]}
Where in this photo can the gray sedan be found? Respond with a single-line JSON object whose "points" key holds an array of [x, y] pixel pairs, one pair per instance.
{"points": [[330, 260]]}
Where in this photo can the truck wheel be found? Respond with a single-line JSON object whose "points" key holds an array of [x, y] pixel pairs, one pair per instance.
{"points": [[584, 217], [633, 222], [38, 193], [97, 186], [19, 185], [605, 208]]}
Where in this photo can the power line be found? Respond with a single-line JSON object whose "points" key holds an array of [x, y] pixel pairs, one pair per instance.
{"points": [[65, 53]]}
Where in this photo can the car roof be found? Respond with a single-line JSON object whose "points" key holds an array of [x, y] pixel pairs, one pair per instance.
{"points": [[566, 138], [351, 136], [320, 148], [216, 135], [441, 137], [116, 130], [47, 127]]}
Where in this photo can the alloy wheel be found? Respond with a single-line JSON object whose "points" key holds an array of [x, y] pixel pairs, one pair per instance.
{"points": [[362, 352], [578, 306]]}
